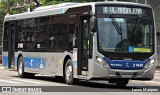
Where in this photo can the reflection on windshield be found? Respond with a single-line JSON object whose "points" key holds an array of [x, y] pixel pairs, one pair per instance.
{"points": [[115, 23], [111, 41]]}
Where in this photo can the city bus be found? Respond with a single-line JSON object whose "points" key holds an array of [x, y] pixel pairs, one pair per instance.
{"points": [[112, 41]]}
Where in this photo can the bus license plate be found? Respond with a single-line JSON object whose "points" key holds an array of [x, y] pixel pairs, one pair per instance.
{"points": [[126, 76]]}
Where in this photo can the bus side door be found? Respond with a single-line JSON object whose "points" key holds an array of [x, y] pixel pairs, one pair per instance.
{"points": [[11, 44], [83, 45]]}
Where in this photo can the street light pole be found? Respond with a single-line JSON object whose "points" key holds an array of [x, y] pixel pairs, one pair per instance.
{"points": [[8, 6], [146, 2]]}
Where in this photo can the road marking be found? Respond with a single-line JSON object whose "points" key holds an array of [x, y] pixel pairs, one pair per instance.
{"points": [[8, 81], [157, 71], [156, 78], [29, 81]]}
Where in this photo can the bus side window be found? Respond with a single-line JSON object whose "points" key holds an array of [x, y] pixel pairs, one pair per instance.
{"points": [[52, 35], [42, 33], [21, 32], [61, 41], [31, 33], [72, 36], [72, 31]]}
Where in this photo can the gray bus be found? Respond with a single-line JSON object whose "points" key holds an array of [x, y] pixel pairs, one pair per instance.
{"points": [[112, 41]]}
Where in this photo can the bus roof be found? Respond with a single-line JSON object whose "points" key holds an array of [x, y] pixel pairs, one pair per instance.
{"points": [[61, 8]]}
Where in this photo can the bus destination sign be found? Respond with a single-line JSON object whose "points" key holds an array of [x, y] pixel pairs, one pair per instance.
{"points": [[122, 10]]}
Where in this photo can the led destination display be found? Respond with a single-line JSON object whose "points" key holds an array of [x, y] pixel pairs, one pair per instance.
{"points": [[122, 10]]}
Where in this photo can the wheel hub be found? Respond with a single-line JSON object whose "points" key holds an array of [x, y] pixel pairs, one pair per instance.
{"points": [[69, 73], [20, 68]]}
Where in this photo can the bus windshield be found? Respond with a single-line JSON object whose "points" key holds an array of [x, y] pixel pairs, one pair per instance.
{"points": [[135, 35]]}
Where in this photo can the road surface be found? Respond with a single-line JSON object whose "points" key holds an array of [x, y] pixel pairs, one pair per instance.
{"points": [[58, 87]]}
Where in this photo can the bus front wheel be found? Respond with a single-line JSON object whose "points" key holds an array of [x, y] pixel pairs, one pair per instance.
{"points": [[69, 72], [21, 72]]}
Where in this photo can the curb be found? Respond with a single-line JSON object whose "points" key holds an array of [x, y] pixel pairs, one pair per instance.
{"points": [[1, 67], [146, 83]]}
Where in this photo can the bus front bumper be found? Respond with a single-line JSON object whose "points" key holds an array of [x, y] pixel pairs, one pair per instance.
{"points": [[144, 74]]}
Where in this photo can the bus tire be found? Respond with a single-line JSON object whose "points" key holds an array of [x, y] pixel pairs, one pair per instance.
{"points": [[21, 72], [69, 72], [121, 82]]}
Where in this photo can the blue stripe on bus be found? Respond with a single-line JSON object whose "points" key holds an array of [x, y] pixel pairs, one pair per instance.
{"points": [[126, 64], [5, 60], [34, 62], [15, 61], [29, 62]]}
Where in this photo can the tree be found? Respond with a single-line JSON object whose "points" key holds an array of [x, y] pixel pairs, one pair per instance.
{"points": [[3, 12]]}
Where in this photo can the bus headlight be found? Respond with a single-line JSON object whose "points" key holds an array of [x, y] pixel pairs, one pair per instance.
{"points": [[99, 59], [150, 63], [102, 62]]}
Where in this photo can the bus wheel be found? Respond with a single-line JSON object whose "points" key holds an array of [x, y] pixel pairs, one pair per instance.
{"points": [[69, 72], [21, 68], [21, 72], [121, 82]]}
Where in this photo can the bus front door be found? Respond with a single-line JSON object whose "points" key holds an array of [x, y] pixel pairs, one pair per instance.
{"points": [[11, 44], [83, 46]]}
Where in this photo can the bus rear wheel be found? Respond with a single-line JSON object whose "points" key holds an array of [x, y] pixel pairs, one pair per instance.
{"points": [[21, 72], [69, 72]]}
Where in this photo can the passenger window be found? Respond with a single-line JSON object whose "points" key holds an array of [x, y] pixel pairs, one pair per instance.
{"points": [[52, 35], [31, 33], [42, 33]]}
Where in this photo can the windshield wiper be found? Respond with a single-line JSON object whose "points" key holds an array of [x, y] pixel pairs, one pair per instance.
{"points": [[137, 24], [115, 24]]}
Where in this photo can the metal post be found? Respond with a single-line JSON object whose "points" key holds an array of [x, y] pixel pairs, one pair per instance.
{"points": [[8, 7], [146, 1], [30, 5]]}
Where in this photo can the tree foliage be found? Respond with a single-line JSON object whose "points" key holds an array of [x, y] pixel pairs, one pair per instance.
{"points": [[50, 2]]}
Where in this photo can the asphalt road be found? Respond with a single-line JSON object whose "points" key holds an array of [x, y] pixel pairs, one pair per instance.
{"points": [[58, 86]]}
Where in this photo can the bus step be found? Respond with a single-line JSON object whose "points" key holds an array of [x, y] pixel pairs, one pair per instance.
{"points": [[11, 69], [82, 77], [85, 73]]}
